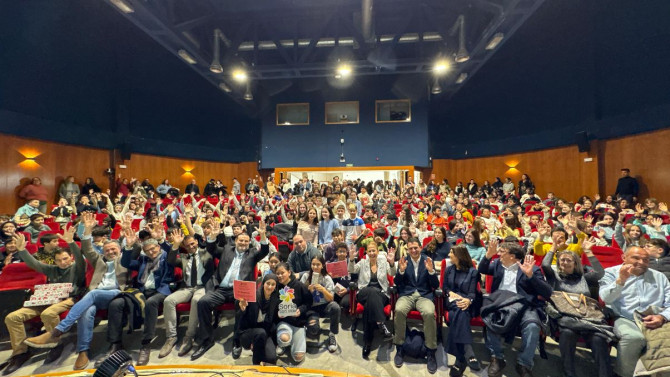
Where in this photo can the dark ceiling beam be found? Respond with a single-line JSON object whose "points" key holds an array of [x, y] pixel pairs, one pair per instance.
{"points": [[319, 33], [190, 24], [280, 48]]}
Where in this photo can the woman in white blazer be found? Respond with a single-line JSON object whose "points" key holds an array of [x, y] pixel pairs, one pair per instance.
{"points": [[373, 289]]}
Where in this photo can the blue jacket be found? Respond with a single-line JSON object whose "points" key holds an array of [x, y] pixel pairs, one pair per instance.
{"points": [[425, 284], [529, 288], [163, 275]]}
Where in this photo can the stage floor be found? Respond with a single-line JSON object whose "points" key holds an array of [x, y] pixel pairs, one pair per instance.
{"points": [[347, 361]]}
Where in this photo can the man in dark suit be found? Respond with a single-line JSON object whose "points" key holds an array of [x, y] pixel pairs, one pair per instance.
{"points": [[627, 187], [416, 280], [516, 272], [237, 262]]}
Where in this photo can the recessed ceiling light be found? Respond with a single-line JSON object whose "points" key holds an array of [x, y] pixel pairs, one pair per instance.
{"points": [[495, 41], [240, 75], [343, 70], [123, 6], [186, 56], [441, 67]]}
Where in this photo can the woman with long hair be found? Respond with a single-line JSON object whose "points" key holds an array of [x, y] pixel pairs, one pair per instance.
{"points": [[308, 227], [373, 289], [322, 288], [462, 302], [256, 324], [438, 248], [474, 245], [326, 226], [572, 277], [291, 328], [628, 234]]}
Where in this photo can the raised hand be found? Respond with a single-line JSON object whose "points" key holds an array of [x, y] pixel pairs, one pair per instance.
{"points": [[527, 265], [131, 237], [596, 197], [657, 222], [390, 256], [89, 222], [429, 265], [216, 229], [493, 248], [588, 244], [624, 273], [639, 208], [622, 217], [68, 235], [19, 240], [588, 219], [663, 207], [402, 265], [177, 237], [601, 233]]}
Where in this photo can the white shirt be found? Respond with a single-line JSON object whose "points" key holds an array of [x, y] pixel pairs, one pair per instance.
{"points": [[187, 269], [509, 280], [415, 264]]}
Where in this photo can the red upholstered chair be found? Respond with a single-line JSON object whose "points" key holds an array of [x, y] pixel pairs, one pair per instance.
{"points": [[608, 256], [443, 314], [20, 276], [426, 241], [356, 308]]}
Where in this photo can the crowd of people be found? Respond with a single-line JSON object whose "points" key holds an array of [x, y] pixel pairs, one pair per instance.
{"points": [[426, 246]]}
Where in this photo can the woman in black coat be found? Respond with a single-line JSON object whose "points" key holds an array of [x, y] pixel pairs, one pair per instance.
{"points": [[462, 303], [257, 322]]}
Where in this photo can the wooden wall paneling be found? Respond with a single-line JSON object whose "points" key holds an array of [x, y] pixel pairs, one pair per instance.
{"points": [[646, 155]]}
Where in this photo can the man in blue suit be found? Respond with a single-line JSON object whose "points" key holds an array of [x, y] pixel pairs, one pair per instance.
{"points": [[516, 272], [416, 280]]}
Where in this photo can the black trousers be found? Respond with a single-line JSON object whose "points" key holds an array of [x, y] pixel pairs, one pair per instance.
{"points": [[117, 316], [263, 346], [567, 343], [329, 310], [206, 307], [373, 301]]}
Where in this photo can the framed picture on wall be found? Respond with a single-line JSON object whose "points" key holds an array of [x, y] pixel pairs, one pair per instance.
{"points": [[393, 111], [293, 114], [342, 112]]}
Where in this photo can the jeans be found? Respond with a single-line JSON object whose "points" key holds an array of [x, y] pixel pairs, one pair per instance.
{"points": [[296, 339], [530, 336], [84, 311], [330, 310], [567, 343]]}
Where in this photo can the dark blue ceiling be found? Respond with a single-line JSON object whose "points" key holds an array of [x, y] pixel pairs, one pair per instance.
{"points": [[78, 71]]}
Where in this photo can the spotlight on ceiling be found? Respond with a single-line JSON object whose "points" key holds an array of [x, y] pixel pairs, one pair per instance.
{"points": [[441, 67], [342, 159], [461, 78], [216, 65], [343, 71], [436, 89], [247, 94], [462, 54], [123, 6], [186, 56], [495, 41], [240, 75], [223, 86]]}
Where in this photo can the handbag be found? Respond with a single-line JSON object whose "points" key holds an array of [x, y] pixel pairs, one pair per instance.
{"points": [[578, 306]]}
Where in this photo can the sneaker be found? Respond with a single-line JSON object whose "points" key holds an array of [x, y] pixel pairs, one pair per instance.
{"points": [[237, 351], [431, 362], [280, 350], [387, 333], [332, 343], [398, 360]]}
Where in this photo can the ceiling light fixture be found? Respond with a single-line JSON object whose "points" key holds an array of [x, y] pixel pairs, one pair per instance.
{"points": [[248, 96], [461, 78], [343, 71], [440, 67], [240, 75], [223, 86], [436, 89], [216, 65], [462, 55], [123, 6], [186, 56], [495, 41]]}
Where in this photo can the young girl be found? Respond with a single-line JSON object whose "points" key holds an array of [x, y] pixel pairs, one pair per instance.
{"points": [[605, 226], [322, 288], [273, 261], [631, 236], [308, 227], [342, 283], [257, 322], [474, 245], [291, 327], [326, 226]]}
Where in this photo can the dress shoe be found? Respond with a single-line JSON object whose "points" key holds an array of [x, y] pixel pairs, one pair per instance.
{"points": [[398, 360], [145, 353], [523, 371], [167, 347], [496, 367], [431, 362], [366, 351], [201, 350], [82, 361], [186, 346], [54, 353], [112, 348], [15, 362], [47, 340], [474, 364], [458, 369]]}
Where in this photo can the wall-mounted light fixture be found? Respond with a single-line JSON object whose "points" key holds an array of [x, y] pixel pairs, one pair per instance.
{"points": [[30, 154]]}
